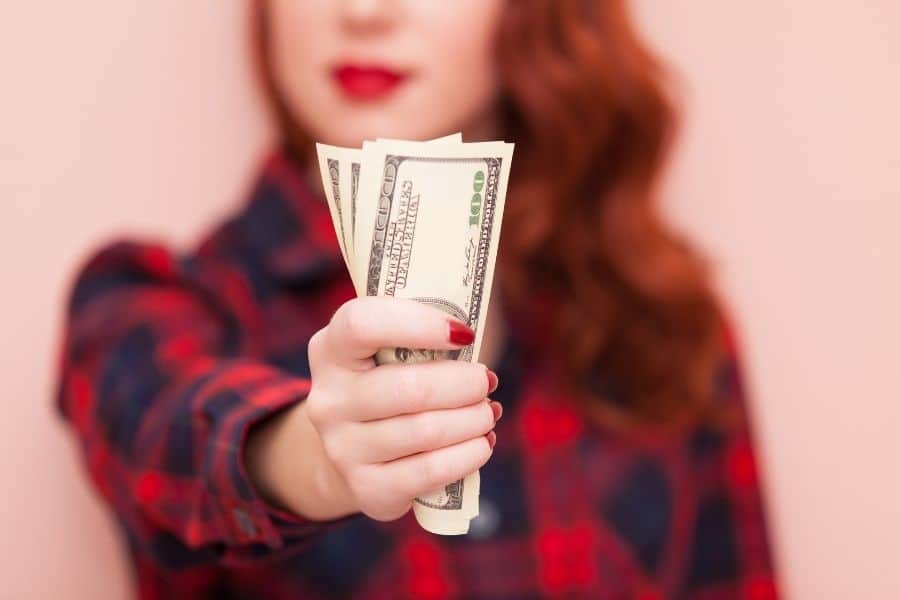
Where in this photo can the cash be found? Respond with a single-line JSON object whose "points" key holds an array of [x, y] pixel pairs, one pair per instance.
{"points": [[421, 220]]}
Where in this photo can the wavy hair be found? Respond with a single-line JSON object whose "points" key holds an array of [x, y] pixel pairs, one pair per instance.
{"points": [[623, 306]]}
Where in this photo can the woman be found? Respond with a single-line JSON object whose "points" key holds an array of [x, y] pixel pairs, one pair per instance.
{"points": [[230, 410]]}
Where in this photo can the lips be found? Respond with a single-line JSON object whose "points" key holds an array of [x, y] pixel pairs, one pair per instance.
{"points": [[367, 82]]}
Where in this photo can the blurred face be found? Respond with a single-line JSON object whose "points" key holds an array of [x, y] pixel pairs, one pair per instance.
{"points": [[414, 69]]}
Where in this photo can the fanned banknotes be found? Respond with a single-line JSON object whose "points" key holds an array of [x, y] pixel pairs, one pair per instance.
{"points": [[421, 220]]}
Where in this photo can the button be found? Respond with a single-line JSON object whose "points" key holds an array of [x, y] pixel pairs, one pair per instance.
{"points": [[244, 521], [487, 523]]}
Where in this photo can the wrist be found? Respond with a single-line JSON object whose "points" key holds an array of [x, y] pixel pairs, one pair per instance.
{"points": [[331, 487], [261, 459], [287, 463]]}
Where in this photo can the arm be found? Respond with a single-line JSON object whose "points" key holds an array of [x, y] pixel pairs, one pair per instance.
{"points": [[159, 381], [162, 381], [310, 487]]}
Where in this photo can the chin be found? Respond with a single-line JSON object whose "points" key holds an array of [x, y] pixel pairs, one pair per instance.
{"points": [[354, 131]]}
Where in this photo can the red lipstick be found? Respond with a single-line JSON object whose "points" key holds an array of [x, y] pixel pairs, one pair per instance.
{"points": [[367, 82]]}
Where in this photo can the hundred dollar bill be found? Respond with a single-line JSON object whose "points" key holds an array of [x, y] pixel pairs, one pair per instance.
{"points": [[340, 168], [336, 166], [427, 228]]}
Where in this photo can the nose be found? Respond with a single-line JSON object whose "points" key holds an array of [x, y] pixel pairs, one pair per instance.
{"points": [[369, 15]]}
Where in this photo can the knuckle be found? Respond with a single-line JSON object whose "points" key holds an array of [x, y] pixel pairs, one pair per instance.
{"points": [[316, 409], [428, 431], [476, 455], [362, 482], [411, 390], [388, 511], [479, 458], [472, 381], [487, 419], [485, 451], [379, 497], [380, 513], [337, 451], [479, 380], [320, 409], [352, 320], [432, 470], [314, 347]]}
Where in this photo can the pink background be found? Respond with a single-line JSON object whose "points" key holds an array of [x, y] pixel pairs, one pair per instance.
{"points": [[141, 117]]}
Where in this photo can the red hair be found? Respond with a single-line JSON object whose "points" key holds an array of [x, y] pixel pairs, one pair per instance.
{"points": [[634, 323]]}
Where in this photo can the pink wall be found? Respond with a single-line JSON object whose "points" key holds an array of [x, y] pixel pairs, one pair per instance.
{"points": [[135, 116], [139, 116], [788, 174]]}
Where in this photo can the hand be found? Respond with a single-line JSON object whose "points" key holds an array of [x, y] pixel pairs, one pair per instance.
{"points": [[388, 433]]}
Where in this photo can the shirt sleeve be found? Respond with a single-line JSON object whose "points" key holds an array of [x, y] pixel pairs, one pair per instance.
{"points": [[729, 553], [160, 382]]}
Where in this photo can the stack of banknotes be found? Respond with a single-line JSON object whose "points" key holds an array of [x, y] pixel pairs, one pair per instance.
{"points": [[422, 220]]}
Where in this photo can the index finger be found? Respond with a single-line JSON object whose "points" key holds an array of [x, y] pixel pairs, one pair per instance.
{"points": [[362, 326]]}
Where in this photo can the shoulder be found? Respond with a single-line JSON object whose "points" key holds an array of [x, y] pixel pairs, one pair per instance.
{"points": [[728, 426], [729, 382], [282, 234], [284, 229], [122, 263]]}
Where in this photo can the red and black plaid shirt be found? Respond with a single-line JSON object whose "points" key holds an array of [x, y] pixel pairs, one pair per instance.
{"points": [[169, 359]]}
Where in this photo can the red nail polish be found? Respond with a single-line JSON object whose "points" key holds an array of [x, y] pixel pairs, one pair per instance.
{"points": [[493, 381], [461, 334], [498, 410], [491, 438]]}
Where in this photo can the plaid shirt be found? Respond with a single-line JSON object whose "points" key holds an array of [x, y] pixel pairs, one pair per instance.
{"points": [[168, 360]]}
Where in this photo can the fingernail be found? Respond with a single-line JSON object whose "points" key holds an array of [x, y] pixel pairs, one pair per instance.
{"points": [[493, 382], [461, 334], [498, 410], [491, 438]]}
